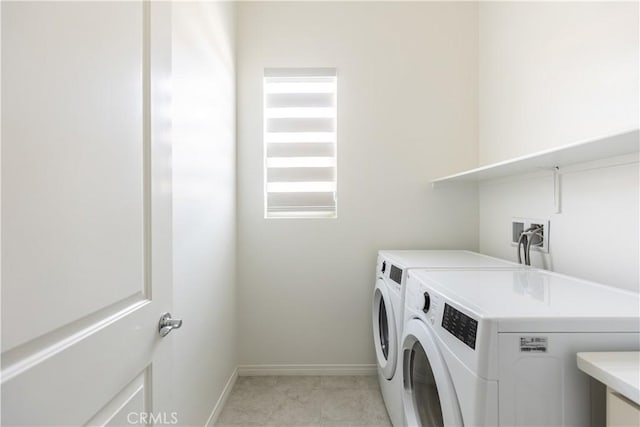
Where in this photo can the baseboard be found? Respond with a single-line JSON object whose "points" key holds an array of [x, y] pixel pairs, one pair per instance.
{"points": [[249, 370], [217, 409]]}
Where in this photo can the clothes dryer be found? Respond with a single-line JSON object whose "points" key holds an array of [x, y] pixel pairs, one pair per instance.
{"points": [[388, 308], [486, 348]]}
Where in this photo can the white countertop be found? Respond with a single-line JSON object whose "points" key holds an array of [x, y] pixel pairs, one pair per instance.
{"points": [[619, 371]]}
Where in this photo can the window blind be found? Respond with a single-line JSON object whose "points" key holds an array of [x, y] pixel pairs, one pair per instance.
{"points": [[300, 142]]}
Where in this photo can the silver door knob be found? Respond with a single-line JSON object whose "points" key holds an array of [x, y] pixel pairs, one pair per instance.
{"points": [[167, 324]]}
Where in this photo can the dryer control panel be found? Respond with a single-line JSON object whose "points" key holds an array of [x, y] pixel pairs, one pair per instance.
{"points": [[460, 325]]}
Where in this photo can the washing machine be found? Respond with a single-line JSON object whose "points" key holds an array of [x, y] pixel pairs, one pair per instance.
{"points": [[388, 308], [487, 348]]}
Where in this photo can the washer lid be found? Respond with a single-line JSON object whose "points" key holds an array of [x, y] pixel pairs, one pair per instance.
{"points": [[529, 300], [445, 259]]}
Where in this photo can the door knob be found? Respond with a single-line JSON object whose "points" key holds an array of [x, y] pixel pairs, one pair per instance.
{"points": [[168, 324]]}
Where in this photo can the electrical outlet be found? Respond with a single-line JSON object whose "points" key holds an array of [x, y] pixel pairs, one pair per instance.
{"points": [[518, 225]]}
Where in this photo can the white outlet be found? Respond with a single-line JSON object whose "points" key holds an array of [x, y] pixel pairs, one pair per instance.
{"points": [[518, 225]]}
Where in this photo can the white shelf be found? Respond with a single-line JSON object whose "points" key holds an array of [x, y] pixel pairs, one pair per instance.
{"points": [[601, 148]]}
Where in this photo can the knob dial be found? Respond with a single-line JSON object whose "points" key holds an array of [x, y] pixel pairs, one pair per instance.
{"points": [[427, 302], [384, 266]]}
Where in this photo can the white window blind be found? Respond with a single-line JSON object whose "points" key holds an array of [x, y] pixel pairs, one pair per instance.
{"points": [[300, 142]]}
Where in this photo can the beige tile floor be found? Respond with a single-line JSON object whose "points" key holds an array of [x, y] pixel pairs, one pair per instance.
{"points": [[353, 401]]}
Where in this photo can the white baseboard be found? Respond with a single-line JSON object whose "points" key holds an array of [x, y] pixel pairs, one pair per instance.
{"points": [[249, 370], [217, 409]]}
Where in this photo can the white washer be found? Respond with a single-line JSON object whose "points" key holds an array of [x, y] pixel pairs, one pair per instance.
{"points": [[488, 348], [388, 308]]}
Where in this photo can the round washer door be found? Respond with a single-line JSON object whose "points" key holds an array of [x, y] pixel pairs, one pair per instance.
{"points": [[385, 336], [429, 396]]}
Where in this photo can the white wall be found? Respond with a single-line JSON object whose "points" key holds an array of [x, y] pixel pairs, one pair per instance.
{"points": [[551, 74], [406, 113], [204, 205], [596, 235]]}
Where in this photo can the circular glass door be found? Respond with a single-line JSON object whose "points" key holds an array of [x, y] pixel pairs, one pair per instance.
{"points": [[429, 396], [384, 330], [425, 395]]}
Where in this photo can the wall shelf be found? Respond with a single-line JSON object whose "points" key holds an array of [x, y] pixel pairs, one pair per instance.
{"points": [[594, 149]]}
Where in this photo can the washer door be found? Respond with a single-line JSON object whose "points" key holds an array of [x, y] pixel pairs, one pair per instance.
{"points": [[429, 396], [385, 336]]}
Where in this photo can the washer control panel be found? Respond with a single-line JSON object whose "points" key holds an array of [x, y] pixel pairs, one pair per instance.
{"points": [[460, 325], [395, 274]]}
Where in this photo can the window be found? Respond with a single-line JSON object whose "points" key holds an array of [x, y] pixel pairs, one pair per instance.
{"points": [[300, 142]]}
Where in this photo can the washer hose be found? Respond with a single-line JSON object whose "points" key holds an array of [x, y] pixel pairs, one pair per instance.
{"points": [[526, 239]]}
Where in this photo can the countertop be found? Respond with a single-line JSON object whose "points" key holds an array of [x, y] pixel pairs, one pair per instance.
{"points": [[618, 370]]}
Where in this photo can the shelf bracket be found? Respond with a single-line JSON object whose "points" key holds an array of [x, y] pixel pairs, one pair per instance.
{"points": [[557, 207]]}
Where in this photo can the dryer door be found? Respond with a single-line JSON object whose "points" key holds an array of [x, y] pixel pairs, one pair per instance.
{"points": [[384, 330], [429, 396]]}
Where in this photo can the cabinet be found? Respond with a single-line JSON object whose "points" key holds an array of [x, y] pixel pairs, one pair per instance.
{"points": [[620, 372], [621, 412]]}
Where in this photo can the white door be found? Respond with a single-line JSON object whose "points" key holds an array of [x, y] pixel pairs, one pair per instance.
{"points": [[86, 212]]}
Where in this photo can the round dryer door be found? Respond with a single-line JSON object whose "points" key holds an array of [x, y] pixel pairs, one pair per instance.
{"points": [[385, 336], [429, 396]]}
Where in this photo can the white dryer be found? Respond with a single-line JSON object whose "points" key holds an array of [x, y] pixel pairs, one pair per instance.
{"points": [[488, 348], [388, 308]]}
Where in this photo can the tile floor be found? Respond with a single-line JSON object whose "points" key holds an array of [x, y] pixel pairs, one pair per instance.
{"points": [[299, 401]]}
